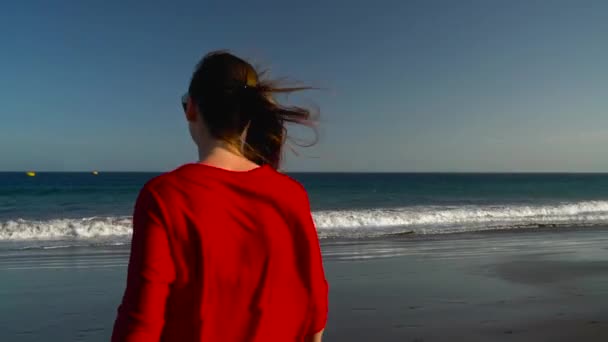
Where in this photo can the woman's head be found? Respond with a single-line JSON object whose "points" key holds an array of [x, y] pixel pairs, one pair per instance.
{"points": [[227, 101]]}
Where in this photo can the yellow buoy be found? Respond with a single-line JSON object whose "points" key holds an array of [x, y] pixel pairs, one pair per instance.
{"points": [[30, 173], [95, 173]]}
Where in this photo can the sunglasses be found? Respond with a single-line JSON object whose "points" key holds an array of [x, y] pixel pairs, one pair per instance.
{"points": [[185, 98]]}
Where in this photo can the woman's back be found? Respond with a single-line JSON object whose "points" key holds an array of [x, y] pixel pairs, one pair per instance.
{"points": [[221, 255], [235, 257]]}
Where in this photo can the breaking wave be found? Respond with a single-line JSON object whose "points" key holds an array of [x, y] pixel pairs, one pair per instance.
{"points": [[344, 223]]}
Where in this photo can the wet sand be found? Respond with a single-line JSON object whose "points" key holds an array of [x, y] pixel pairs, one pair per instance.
{"points": [[532, 286], [547, 285]]}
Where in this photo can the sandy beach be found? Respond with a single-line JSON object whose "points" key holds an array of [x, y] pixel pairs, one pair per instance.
{"points": [[533, 286], [501, 286]]}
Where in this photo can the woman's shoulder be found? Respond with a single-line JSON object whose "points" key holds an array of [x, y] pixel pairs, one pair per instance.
{"points": [[262, 180], [291, 182], [164, 181], [291, 188]]}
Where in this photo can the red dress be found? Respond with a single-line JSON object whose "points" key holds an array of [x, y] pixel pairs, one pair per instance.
{"points": [[222, 256]]}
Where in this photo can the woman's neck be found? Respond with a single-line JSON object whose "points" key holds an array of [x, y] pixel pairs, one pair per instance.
{"points": [[221, 154]]}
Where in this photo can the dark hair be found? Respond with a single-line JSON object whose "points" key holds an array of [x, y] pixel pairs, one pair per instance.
{"points": [[232, 99]]}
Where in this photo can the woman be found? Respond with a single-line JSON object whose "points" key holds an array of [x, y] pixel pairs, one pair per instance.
{"points": [[225, 249]]}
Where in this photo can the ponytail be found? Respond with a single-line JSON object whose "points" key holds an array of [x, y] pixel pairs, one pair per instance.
{"points": [[240, 109]]}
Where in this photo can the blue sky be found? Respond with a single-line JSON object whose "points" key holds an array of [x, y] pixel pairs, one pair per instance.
{"points": [[409, 85]]}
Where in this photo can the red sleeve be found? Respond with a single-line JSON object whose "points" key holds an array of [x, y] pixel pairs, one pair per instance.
{"points": [[318, 284], [141, 315]]}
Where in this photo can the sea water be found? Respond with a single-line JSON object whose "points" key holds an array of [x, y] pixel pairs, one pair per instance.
{"points": [[54, 210]]}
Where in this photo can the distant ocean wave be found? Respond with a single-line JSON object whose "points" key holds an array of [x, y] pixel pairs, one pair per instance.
{"points": [[453, 219], [362, 223], [89, 228]]}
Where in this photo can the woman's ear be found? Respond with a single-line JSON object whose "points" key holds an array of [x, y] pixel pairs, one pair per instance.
{"points": [[191, 112]]}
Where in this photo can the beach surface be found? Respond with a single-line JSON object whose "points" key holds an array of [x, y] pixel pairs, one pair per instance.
{"points": [[537, 285]]}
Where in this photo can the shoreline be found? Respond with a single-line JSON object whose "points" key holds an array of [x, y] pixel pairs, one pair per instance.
{"points": [[406, 235]]}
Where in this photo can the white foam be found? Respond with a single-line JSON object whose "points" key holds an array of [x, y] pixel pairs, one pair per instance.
{"points": [[444, 219], [89, 228], [337, 223]]}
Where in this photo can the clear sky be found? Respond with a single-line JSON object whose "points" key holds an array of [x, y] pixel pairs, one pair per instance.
{"points": [[410, 85]]}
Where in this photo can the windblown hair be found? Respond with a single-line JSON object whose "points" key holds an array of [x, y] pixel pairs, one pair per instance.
{"points": [[235, 102]]}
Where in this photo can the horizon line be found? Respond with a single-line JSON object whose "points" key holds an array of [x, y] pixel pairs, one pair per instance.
{"points": [[334, 171]]}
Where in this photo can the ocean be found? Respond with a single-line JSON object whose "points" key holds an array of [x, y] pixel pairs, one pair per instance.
{"points": [[55, 210], [405, 255]]}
